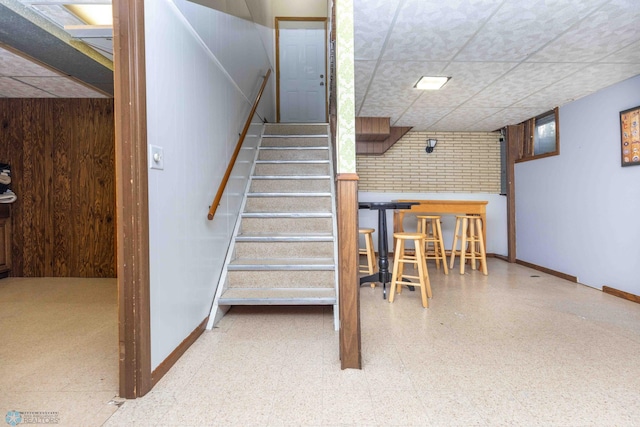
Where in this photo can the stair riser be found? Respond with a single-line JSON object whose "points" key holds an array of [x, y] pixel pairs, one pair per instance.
{"points": [[288, 169], [286, 225], [291, 186], [285, 250], [284, 129], [295, 142], [288, 204], [281, 279], [284, 154]]}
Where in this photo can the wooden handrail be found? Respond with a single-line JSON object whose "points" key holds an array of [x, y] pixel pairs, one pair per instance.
{"points": [[232, 162]]}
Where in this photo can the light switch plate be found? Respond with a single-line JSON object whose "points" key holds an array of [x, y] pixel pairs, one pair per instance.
{"points": [[156, 157]]}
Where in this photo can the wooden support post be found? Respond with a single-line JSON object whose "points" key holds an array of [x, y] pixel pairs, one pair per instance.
{"points": [[347, 204]]}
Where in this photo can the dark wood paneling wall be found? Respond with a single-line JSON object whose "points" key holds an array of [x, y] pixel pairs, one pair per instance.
{"points": [[61, 153]]}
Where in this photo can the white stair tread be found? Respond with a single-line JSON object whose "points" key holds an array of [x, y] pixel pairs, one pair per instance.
{"points": [[278, 296]]}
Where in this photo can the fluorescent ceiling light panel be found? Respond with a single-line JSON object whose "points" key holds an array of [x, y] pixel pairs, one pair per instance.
{"points": [[431, 83], [92, 14]]}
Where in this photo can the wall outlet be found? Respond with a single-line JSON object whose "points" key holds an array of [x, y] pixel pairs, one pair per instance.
{"points": [[156, 157]]}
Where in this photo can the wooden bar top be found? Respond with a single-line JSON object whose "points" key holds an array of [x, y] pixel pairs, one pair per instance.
{"points": [[452, 207]]}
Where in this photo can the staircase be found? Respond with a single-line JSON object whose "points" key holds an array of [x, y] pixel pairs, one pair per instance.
{"points": [[284, 249]]}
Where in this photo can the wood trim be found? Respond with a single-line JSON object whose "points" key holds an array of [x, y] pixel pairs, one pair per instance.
{"points": [[171, 360], [347, 215], [381, 147], [132, 198], [326, 62], [514, 135], [223, 184], [526, 150], [327, 77], [568, 277], [372, 128], [621, 294], [277, 30]]}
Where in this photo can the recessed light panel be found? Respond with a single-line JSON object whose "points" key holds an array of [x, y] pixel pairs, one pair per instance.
{"points": [[431, 83]]}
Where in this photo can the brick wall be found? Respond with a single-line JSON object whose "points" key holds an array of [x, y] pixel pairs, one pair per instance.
{"points": [[462, 162]]}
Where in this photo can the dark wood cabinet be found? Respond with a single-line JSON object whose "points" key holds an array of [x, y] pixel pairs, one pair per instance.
{"points": [[5, 240]]}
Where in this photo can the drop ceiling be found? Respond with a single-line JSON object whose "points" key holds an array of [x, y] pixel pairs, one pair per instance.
{"points": [[40, 59], [508, 60]]}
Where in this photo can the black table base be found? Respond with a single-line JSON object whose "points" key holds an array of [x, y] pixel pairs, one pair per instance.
{"points": [[383, 275]]}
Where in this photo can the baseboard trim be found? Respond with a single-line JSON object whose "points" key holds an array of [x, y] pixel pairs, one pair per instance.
{"points": [[621, 294], [167, 363], [568, 277]]}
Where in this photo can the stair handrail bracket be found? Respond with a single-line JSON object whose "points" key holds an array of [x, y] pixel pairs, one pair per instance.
{"points": [[232, 161]]}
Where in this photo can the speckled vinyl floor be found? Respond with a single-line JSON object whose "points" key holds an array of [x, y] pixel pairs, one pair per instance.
{"points": [[58, 351], [515, 348]]}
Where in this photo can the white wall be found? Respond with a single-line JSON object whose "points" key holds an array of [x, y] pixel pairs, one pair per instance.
{"points": [[202, 72], [577, 213], [496, 217]]}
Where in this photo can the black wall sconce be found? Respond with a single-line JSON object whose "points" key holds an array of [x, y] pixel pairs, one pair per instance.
{"points": [[431, 144]]}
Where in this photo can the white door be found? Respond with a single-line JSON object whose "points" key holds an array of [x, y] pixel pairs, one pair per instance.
{"points": [[302, 73]]}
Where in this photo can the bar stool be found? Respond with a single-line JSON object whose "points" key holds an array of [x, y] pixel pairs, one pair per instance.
{"points": [[469, 232], [368, 251], [401, 258], [430, 226]]}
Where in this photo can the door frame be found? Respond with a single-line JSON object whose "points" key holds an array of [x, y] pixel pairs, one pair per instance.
{"points": [[326, 86], [132, 201]]}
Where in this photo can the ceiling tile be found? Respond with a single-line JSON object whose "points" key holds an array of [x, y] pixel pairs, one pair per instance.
{"points": [[14, 65], [582, 83], [521, 82], [12, 88], [421, 118], [467, 79], [372, 19], [362, 74], [615, 24], [507, 116], [471, 115], [435, 31], [517, 29], [61, 87], [405, 74], [393, 83], [382, 110], [461, 118], [629, 54]]}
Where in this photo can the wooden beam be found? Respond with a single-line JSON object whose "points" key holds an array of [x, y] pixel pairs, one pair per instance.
{"points": [[380, 147], [372, 128]]}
